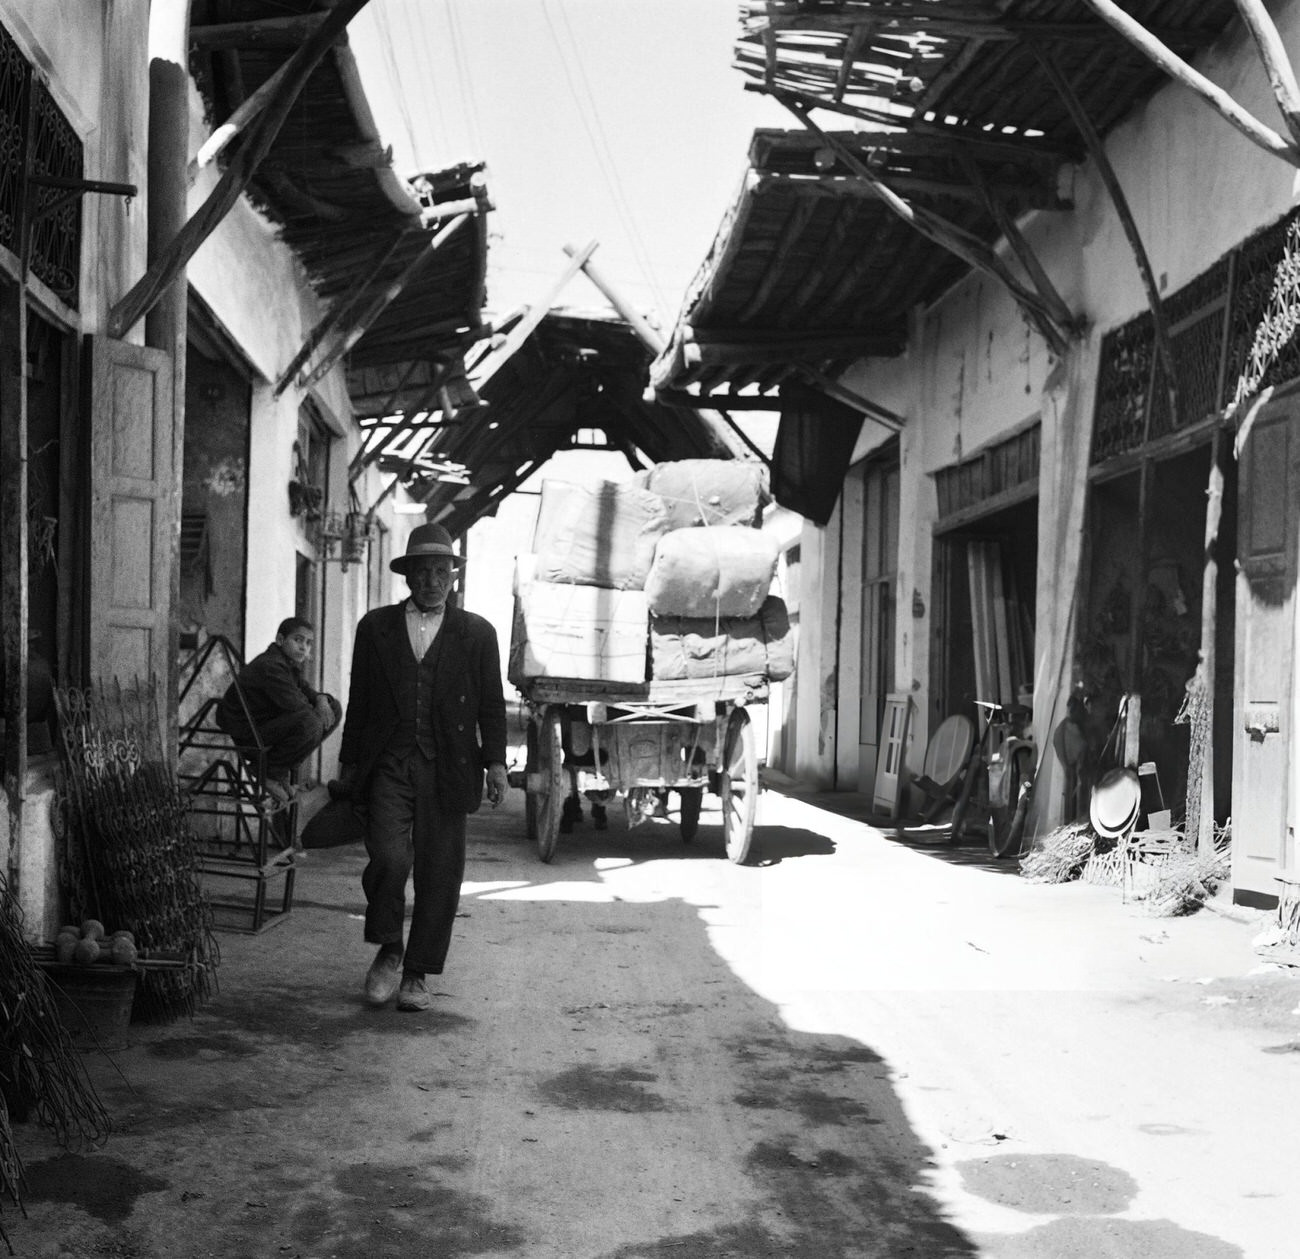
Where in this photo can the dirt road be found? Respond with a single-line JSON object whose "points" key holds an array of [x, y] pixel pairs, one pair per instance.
{"points": [[642, 1051]]}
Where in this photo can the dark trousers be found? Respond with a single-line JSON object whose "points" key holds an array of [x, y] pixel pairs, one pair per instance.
{"points": [[408, 836], [289, 738]]}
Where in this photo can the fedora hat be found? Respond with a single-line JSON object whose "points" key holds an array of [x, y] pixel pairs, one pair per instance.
{"points": [[425, 541]]}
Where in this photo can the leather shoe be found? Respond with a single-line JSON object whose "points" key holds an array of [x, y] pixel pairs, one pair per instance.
{"points": [[413, 995], [383, 977]]}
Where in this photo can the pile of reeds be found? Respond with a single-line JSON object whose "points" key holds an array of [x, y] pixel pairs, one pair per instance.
{"points": [[1060, 855], [1180, 877], [39, 1067]]}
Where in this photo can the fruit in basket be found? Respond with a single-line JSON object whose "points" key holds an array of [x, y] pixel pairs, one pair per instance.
{"points": [[86, 951], [92, 929], [122, 935], [122, 951], [64, 947]]}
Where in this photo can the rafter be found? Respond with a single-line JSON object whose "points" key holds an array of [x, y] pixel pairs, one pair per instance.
{"points": [[1106, 171], [966, 246], [171, 261], [1179, 70]]}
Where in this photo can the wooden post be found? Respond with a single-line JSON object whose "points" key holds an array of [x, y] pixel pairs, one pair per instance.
{"points": [[13, 544], [14, 593], [166, 325], [1209, 662]]}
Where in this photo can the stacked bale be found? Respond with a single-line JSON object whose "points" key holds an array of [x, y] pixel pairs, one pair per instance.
{"points": [[673, 561], [580, 609]]}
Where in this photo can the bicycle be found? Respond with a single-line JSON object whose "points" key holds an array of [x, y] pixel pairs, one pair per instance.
{"points": [[998, 781]]}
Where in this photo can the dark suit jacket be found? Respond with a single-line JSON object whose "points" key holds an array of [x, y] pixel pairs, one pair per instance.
{"points": [[468, 702]]}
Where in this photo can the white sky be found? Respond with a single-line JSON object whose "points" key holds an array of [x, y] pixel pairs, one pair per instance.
{"points": [[620, 121]]}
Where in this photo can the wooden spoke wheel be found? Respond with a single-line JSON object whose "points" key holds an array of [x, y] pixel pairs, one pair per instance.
{"points": [[691, 799], [739, 783], [548, 804], [531, 767]]}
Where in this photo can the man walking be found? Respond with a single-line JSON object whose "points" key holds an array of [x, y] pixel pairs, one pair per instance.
{"points": [[426, 717]]}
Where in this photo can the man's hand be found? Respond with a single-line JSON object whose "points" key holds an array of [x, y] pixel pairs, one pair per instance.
{"points": [[496, 783], [324, 711]]}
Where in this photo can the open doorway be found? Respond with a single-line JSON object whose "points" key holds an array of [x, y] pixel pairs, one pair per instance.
{"points": [[1140, 623], [986, 578]]}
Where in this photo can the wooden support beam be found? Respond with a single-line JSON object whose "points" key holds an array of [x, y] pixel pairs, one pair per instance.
{"points": [[363, 320], [864, 406], [1277, 62], [256, 144], [1032, 197], [337, 313], [650, 336], [1023, 250], [270, 32], [710, 349], [1097, 151], [1179, 70], [925, 19]]}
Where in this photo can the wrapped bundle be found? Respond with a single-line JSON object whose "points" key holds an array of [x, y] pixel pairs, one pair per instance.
{"points": [[688, 647], [571, 631], [602, 534], [710, 491], [710, 572]]}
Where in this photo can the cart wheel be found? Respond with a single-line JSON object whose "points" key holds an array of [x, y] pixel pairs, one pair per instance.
{"points": [[739, 787], [550, 764], [691, 798], [531, 766]]}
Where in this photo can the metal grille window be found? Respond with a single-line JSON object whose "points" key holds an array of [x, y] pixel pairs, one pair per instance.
{"points": [[37, 140], [1233, 331]]}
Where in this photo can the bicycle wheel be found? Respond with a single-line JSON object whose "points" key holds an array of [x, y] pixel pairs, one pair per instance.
{"points": [[1007, 821], [972, 790]]}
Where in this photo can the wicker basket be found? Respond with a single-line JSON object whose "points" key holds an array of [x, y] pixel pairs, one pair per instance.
{"points": [[94, 1002]]}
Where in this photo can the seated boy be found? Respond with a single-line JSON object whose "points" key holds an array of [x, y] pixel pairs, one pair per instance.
{"points": [[291, 718]]}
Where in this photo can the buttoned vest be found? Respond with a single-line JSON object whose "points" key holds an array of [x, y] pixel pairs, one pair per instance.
{"points": [[415, 700]]}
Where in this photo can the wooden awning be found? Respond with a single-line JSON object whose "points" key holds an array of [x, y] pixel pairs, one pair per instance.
{"points": [[575, 373], [400, 312]]}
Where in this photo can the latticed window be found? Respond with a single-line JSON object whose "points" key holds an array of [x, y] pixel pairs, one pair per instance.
{"points": [[1233, 331], [37, 140]]}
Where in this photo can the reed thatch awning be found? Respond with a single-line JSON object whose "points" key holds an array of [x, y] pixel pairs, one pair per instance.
{"points": [[958, 130], [577, 382], [402, 312]]}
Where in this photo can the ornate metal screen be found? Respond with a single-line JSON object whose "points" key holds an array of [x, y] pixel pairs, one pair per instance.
{"points": [[1233, 331], [36, 139]]}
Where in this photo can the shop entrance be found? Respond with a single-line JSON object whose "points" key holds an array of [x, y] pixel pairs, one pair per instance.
{"points": [[1140, 622], [986, 577]]}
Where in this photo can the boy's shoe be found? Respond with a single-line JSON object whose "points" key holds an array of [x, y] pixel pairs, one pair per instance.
{"points": [[413, 995], [383, 978]]}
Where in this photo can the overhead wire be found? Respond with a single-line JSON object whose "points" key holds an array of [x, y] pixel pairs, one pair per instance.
{"points": [[589, 114]]}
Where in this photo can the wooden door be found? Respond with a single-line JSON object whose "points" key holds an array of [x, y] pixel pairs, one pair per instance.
{"points": [[879, 578], [1268, 518], [133, 512]]}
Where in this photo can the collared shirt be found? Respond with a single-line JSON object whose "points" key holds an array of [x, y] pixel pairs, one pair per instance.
{"points": [[422, 627]]}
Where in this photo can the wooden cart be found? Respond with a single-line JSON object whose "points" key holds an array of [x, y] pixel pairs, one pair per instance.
{"points": [[639, 740]]}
